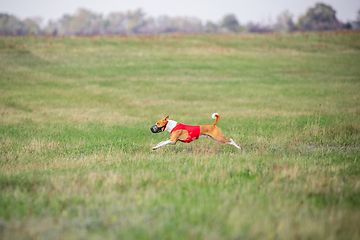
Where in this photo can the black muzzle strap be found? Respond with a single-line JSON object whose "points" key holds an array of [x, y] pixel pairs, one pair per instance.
{"points": [[156, 129]]}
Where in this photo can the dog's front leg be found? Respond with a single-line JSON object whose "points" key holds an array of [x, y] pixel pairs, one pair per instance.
{"points": [[161, 144]]}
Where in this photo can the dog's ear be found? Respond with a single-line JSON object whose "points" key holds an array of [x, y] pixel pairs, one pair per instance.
{"points": [[167, 117]]}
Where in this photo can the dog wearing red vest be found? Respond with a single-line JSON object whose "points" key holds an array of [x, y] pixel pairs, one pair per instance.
{"points": [[189, 133]]}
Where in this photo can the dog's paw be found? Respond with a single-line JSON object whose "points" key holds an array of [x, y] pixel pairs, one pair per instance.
{"points": [[157, 146]]}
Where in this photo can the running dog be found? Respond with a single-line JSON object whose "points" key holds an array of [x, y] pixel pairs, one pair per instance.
{"points": [[188, 133]]}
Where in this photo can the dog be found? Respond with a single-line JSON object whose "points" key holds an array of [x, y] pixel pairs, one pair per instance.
{"points": [[188, 133]]}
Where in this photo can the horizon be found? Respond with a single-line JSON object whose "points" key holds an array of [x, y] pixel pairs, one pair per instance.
{"points": [[204, 10]]}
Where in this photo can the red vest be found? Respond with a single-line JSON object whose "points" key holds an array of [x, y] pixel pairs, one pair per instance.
{"points": [[193, 132]]}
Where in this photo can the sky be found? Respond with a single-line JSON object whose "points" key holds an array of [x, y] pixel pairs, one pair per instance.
{"points": [[263, 11]]}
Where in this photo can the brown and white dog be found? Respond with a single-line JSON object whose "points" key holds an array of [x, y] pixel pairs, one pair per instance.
{"points": [[188, 133]]}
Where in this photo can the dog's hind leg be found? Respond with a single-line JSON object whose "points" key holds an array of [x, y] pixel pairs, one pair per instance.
{"points": [[229, 141], [234, 144], [218, 137]]}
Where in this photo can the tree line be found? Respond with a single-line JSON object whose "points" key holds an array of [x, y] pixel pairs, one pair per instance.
{"points": [[87, 23]]}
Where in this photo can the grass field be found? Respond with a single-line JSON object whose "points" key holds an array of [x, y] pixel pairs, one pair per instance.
{"points": [[75, 145]]}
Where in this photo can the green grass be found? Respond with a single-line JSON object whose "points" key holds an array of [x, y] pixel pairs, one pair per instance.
{"points": [[75, 145]]}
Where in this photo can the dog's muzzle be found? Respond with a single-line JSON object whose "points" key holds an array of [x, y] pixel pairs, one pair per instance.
{"points": [[156, 129]]}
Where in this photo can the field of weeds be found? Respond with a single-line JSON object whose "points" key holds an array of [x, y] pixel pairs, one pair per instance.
{"points": [[75, 145]]}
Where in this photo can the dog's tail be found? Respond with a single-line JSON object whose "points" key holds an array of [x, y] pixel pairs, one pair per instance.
{"points": [[215, 116]]}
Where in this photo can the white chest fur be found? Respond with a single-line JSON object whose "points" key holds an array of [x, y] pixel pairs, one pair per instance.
{"points": [[170, 125]]}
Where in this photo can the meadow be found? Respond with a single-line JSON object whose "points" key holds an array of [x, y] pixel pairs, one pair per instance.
{"points": [[75, 144]]}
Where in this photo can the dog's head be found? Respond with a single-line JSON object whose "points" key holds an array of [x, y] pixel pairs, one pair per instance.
{"points": [[160, 125]]}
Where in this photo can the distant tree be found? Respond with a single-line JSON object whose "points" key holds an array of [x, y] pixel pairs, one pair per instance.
{"points": [[211, 27], [284, 22], [134, 21], [320, 17], [229, 23], [149, 26], [347, 25], [166, 24], [32, 25], [188, 24], [258, 28], [131, 22], [356, 23], [115, 23], [63, 25], [11, 25], [84, 22], [51, 28]]}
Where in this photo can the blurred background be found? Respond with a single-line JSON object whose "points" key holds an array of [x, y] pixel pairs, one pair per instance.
{"points": [[89, 18]]}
